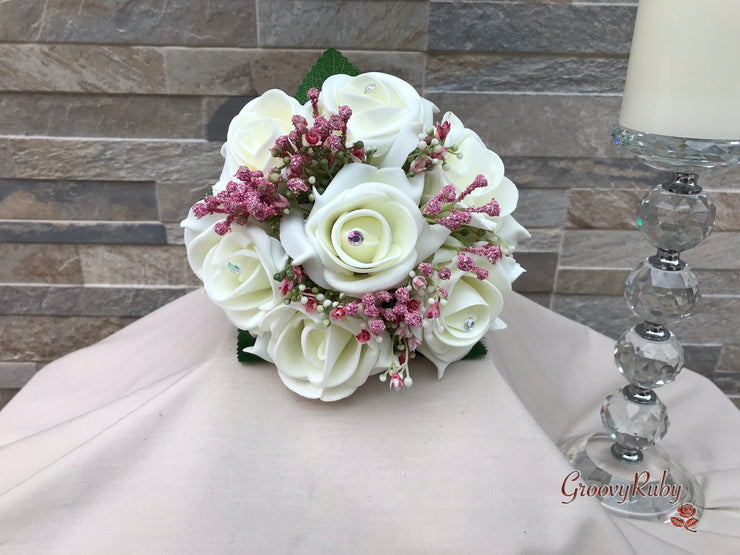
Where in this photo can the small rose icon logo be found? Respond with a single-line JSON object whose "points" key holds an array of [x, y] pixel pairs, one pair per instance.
{"points": [[686, 511]]}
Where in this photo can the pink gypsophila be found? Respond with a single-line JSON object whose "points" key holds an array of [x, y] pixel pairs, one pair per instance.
{"points": [[252, 196]]}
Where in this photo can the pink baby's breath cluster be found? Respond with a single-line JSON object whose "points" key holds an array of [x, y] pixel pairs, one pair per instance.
{"points": [[311, 155], [248, 195]]}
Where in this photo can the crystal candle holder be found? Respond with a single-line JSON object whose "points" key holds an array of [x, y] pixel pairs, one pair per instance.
{"points": [[660, 290]]}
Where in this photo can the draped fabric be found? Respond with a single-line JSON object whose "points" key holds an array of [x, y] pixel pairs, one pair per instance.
{"points": [[156, 440]]}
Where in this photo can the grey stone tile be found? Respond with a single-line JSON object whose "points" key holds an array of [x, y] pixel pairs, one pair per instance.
{"points": [[542, 240], [720, 251], [590, 281], [540, 298], [82, 68], [43, 338], [135, 265], [175, 235], [531, 27], [713, 322], [14, 375], [719, 282], [604, 209], [360, 24], [610, 281], [114, 160], [530, 125], [409, 66], [20, 20], [168, 22], [7, 394], [624, 249], [721, 179], [101, 116], [7, 163], [218, 113], [543, 74], [594, 173], [210, 71], [243, 72], [39, 263], [616, 209], [735, 401], [175, 199], [606, 314], [730, 359], [702, 358], [77, 200], [74, 300], [542, 207], [728, 382], [21, 231], [540, 274], [603, 249], [728, 210]]}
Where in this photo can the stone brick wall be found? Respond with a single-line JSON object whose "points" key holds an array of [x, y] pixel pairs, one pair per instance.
{"points": [[112, 113]]}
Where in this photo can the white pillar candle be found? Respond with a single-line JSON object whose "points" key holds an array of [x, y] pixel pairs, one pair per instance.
{"points": [[683, 78]]}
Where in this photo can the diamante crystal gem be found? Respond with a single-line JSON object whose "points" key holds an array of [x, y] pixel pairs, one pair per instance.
{"points": [[355, 238], [634, 425], [673, 221], [370, 88], [661, 296], [469, 324], [648, 363], [233, 268]]}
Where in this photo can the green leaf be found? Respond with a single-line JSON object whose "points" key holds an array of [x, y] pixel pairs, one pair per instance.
{"points": [[331, 62], [244, 340], [478, 351]]}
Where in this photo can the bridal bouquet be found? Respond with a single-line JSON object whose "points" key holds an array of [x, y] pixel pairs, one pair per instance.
{"points": [[350, 232]]}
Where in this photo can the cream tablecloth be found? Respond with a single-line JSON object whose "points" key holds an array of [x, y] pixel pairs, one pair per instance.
{"points": [[156, 440]]}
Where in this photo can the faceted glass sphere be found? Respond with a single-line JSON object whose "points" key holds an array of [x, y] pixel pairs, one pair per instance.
{"points": [[673, 221], [647, 362], [634, 425], [661, 296]]}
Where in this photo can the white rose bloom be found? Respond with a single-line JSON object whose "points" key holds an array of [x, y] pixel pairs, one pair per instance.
{"points": [[236, 269], [471, 310], [387, 113], [510, 231], [253, 132], [364, 233], [476, 160], [319, 362]]}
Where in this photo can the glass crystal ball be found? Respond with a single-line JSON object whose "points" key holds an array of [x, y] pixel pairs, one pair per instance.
{"points": [[661, 296], [673, 221], [647, 362], [634, 425]]}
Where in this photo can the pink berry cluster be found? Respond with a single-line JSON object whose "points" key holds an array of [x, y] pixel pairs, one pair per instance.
{"points": [[444, 206], [431, 150], [311, 156], [248, 195]]}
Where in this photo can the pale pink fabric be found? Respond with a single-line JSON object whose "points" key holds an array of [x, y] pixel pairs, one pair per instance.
{"points": [[156, 440]]}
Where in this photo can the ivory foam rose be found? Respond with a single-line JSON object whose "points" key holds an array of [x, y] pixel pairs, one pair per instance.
{"points": [[316, 361], [253, 132], [472, 159], [471, 310], [236, 269], [387, 112], [364, 233]]}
